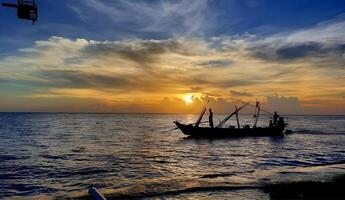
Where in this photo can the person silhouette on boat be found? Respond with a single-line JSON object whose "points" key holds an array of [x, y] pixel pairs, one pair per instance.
{"points": [[275, 118], [210, 118], [271, 124], [281, 123]]}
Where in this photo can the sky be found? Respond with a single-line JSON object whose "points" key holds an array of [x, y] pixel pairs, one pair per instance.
{"points": [[155, 56]]}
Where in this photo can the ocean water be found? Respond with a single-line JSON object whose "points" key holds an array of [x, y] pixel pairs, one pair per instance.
{"points": [[57, 156]]}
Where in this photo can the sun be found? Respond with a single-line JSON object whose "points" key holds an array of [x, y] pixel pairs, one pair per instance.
{"points": [[188, 99]]}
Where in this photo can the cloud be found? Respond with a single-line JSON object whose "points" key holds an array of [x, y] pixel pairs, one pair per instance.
{"points": [[298, 51], [286, 105], [317, 54], [330, 31], [182, 17], [142, 52], [141, 72], [322, 45], [82, 16], [241, 94], [216, 63], [80, 79]]}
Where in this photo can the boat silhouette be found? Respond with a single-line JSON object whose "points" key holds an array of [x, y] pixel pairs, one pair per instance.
{"points": [[275, 128]]}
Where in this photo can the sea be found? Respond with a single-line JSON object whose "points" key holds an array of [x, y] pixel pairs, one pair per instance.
{"points": [[143, 156]]}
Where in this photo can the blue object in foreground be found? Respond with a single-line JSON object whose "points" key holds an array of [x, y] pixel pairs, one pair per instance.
{"points": [[95, 194]]}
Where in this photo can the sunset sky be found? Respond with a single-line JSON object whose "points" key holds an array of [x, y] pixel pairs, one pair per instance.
{"points": [[172, 56]]}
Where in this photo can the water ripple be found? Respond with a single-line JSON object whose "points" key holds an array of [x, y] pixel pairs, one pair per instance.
{"points": [[59, 154]]}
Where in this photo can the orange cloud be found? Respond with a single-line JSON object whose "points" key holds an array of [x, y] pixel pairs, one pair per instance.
{"points": [[156, 75]]}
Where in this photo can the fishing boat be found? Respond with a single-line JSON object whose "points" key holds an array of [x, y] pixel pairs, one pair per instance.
{"points": [[275, 128]]}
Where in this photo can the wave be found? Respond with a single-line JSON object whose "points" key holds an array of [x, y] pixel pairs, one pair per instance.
{"points": [[172, 187], [19, 189], [76, 172], [314, 132], [218, 175], [4, 158], [54, 157], [301, 179]]}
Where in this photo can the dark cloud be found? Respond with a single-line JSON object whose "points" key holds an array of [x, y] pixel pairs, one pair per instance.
{"points": [[79, 79], [142, 52], [320, 54], [299, 51], [196, 89], [235, 83], [16, 81], [105, 82], [342, 95], [205, 83], [216, 63], [241, 94]]}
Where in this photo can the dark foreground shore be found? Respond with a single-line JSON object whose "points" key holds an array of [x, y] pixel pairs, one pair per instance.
{"points": [[333, 189], [316, 182]]}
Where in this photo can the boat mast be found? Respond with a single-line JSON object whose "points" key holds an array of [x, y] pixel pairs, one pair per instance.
{"points": [[201, 115], [238, 122], [257, 113]]}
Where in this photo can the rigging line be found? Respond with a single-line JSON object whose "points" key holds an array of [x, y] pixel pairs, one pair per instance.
{"points": [[251, 105]]}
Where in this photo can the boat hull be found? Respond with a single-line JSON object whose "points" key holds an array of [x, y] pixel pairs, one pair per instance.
{"points": [[208, 132]]}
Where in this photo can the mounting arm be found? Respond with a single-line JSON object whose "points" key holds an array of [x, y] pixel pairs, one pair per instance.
{"points": [[11, 5]]}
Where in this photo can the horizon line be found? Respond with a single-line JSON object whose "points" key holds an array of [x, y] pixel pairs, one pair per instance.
{"points": [[148, 113]]}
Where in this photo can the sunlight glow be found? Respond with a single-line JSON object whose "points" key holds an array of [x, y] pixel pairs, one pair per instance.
{"points": [[188, 99]]}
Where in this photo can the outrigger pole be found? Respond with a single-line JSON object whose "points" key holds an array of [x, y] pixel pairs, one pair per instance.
{"points": [[251, 105], [226, 119], [201, 115]]}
